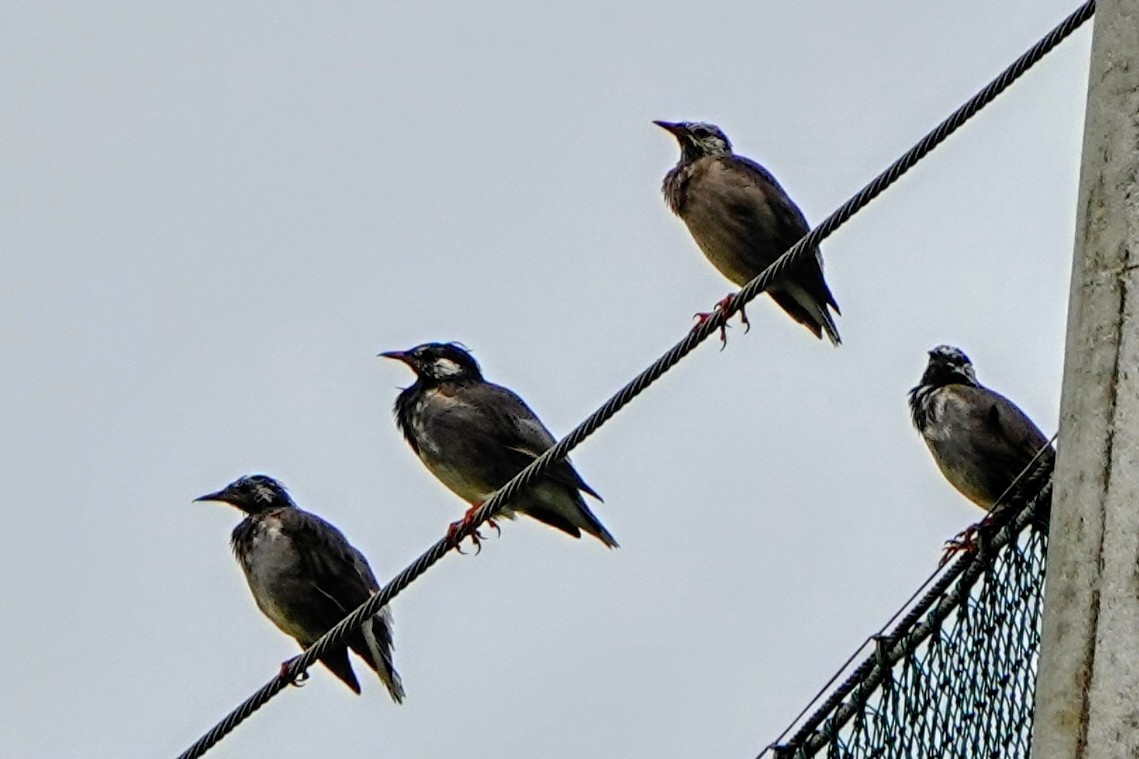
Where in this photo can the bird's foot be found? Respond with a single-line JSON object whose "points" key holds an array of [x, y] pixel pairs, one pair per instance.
{"points": [[703, 316], [465, 523], [743, 312], [722, 307], [963, 542], [297, 681], [453, 537]]}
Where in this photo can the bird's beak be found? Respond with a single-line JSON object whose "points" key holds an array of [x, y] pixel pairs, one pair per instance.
{"points": [[398, 356], [219, 496], [670, 127]]}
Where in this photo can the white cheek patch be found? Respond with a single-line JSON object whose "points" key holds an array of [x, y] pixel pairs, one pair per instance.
{"points": [[445, 367]]}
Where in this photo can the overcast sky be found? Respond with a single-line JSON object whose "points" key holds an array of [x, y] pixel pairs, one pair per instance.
{"points": [[214, 215]]}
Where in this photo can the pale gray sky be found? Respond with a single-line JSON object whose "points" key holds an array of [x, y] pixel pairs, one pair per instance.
{"points": [[214, 215]]}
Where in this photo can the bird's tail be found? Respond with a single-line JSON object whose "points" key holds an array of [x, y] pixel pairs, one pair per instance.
{"points": [[816, 309], [561, 506], [596, 529], [337, 662], [826, 321], [593, 526], [374, 645]]}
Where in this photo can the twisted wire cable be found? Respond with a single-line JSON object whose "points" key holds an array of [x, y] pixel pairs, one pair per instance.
{"points": [[493, 505]]}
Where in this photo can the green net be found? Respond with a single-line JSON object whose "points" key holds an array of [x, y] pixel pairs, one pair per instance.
{"points": [[956, 676]]}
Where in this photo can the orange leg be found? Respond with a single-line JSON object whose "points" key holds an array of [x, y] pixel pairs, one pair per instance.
{"points": [[963, 542], [703, 316], [966, 540], [465, 523]]}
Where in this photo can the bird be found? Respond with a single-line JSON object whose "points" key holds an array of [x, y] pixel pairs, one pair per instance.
{"points": [[980, 440], [305, 577], [474, 436], [742, 219]]}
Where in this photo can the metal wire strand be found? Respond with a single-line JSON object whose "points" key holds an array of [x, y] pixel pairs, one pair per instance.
{"points": [[337, 635]]}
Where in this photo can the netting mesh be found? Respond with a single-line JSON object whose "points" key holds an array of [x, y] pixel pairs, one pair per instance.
{"points": [[956, 676]]}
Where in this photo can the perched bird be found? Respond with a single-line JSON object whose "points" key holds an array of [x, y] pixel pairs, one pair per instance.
{"points": [[743, 220], [980, 440], [475, 436], [305, 576]]}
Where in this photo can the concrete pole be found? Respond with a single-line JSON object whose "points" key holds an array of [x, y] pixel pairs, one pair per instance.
{"points": [[1087, 694]]}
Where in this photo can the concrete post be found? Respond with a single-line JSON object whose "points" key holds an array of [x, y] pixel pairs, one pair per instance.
{"points": [[1087, 697]]}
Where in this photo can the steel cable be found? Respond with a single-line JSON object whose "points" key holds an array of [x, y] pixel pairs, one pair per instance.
{"points": [[492, 506]]}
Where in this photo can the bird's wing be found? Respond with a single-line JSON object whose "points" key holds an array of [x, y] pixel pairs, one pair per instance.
{"points": [[1011, 436], [1006, 419], [791, 223], [341, 581], [785, 223], [339, 573], [518, 432]]}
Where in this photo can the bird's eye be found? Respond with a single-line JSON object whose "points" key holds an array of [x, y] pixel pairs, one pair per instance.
{"points": [[701, 132]]}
